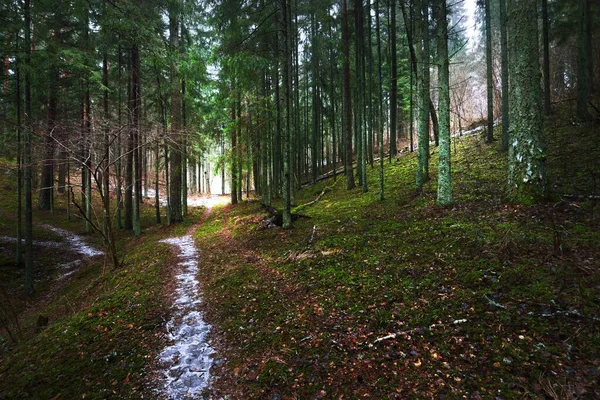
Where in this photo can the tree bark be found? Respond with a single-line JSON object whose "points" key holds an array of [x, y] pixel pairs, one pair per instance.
{"points": [[379, 103], [347, 98], [47, 190], [176, 212], [583, 75], [423, 55], [526, 152], [505, 77], [444, 191], [135, 131], [546, 65], [287, 138], [490, 79], [393, 83], [27, 153]]}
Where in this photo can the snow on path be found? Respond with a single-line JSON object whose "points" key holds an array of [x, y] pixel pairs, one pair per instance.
{"points": [[76, 242], [73, 243], [187, 360]]}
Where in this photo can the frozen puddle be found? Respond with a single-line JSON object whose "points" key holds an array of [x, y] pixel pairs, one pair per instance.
{"points": [[187, 360]]}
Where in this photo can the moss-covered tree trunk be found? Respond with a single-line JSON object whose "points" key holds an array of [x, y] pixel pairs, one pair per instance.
{"points": [[526, 152], [422, 55], [444, 190], [504, 73]]}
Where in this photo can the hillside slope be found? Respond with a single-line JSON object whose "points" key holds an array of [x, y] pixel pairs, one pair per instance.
{"points": [[363, 298], [403, 299]]}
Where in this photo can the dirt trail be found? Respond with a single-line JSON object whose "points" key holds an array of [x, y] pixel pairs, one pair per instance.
{"points": [[186, 361]]}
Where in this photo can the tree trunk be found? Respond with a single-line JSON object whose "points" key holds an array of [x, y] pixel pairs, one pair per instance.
{"points": [[176, 212], [347, 98], [184, 161], [362, 96], [47, 189], [413, 60], [108, 227], [135, 128], [19, 247], [379, 103], [546, 65], [526, 152], [119, 165], [234, 145], [444, 191], [490, 78], [27, 153], [128, 201], [393, 83], [287, 138], [585, 46], [505, 78], [423, 55]]}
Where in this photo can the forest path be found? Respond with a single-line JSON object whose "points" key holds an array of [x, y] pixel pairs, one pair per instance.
{"points": [[187, 359], [72, 243]]}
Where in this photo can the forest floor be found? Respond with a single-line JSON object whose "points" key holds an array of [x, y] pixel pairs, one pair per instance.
{"points": [[363, 298], [403, 299]]}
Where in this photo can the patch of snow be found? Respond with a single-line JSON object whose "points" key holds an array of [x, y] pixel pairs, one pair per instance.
{"points": [[70, 268], [187, 360], [207, 201], [76, 242], [161, 198], [51, 244]]}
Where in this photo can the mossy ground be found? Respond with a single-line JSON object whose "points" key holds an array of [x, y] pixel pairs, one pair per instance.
{"points": [[105, 325], [489, 299]]}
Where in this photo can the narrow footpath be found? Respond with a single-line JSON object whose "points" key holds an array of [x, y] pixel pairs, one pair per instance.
{"points": [[187, 359]]}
